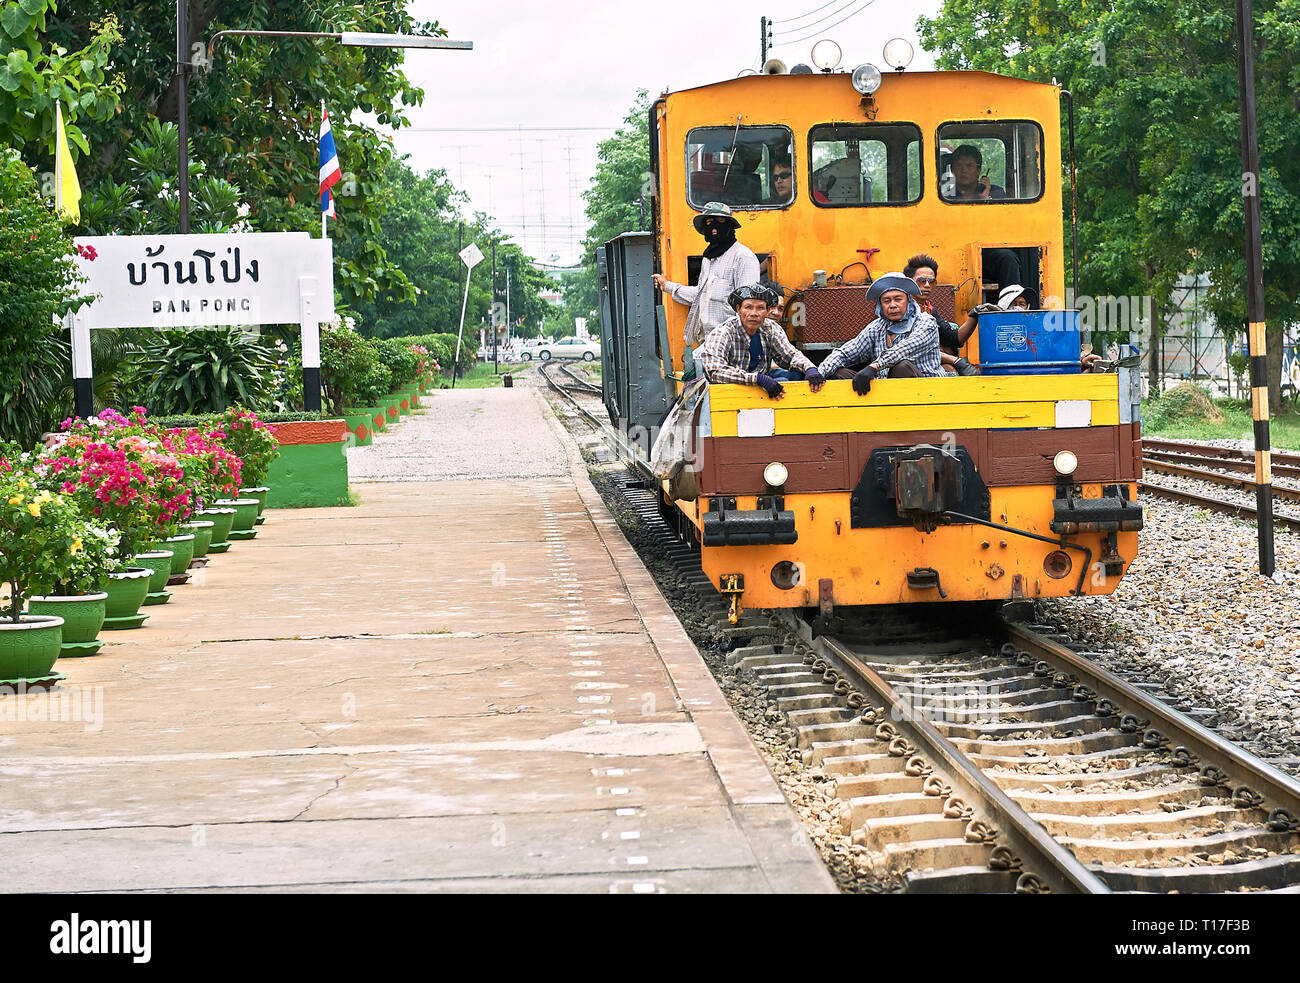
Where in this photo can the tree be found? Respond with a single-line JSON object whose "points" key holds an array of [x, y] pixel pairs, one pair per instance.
{"points": [[38, 283], [255, 111], [1158, 134]]}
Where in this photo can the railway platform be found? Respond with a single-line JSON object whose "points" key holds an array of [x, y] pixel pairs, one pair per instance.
{"points": [[467, 682]]}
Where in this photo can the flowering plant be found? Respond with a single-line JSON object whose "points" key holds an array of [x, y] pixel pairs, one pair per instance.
{"points": [[425, 359], [211, 471], [41, 533], [128, 481], [249, 439]]}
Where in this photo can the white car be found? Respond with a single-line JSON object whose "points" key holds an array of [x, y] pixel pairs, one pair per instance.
{"points": [[586, 350]]}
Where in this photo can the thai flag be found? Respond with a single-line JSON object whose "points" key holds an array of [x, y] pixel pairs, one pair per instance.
{"points": [[330, 172]]}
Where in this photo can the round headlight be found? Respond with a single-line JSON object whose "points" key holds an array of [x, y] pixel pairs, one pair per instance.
{"points": [[898, 53], [826, 54], [866, 78], [1065, 462], [775, 474]]}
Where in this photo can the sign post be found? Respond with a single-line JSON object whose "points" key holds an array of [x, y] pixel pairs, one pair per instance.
{"points": [[471, 256], [170, 282]]}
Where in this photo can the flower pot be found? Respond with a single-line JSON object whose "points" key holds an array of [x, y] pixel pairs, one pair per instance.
{"points": [[182, 548], [222, 521], [202, 530], [28, 649], [159, 565], [245, 517], [361, 421], [83, 617], [392, 407], [126, 592], [403, 402], [414, 390], [258, 492]]}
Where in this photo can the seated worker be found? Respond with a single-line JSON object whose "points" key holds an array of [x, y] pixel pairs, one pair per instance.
{"points": [[777, 311], [740, 350], [902, 342], [924, 269]]}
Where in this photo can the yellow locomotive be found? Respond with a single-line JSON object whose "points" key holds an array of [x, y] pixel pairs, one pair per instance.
{"points": [[1017, 483]]}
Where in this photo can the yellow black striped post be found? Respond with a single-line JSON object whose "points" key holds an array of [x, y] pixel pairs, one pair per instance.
{"points": [[1255, 334]]}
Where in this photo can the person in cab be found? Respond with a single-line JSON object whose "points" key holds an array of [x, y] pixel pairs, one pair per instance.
{"points": [[743, 348], [902, 342]]}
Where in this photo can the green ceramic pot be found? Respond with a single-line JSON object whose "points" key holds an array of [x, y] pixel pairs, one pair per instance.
{"points": [[29, 648], [202, 530], [182, 548], [83, 617], [222, 520], [258, 492], [126, 592], [159, 565], [245, 512]]}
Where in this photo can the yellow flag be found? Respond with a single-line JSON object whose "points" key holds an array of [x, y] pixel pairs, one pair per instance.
{"points": [[67, 189]]}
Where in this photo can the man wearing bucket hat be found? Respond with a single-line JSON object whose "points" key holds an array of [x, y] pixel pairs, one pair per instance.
{"points": [[902, 342], [742, 349], [727, 265]]}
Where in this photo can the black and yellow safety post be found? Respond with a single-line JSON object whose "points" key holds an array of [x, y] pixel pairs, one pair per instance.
{"points": [[1255, 335]]}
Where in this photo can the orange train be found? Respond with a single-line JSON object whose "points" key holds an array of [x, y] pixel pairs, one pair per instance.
{"points": [[1017, 483]]}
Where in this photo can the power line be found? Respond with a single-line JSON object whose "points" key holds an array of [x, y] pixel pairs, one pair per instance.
{"points": [[790, 20], [505, 129], [819, 20], [824, 30]]}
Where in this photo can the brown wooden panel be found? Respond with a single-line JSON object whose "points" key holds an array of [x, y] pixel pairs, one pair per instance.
{"points": [[816, 462], [1024, 457]]}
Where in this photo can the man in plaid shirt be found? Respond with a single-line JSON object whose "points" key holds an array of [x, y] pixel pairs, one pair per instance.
{"points": [[742, 349], [902, 342]]}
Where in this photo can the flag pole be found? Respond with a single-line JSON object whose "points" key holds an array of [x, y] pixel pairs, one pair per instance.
{"points": [[322, 211], [58, 157]]}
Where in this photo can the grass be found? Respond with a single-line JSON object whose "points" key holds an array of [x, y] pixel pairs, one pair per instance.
{"points": [[1160, 419], [480, 375]]}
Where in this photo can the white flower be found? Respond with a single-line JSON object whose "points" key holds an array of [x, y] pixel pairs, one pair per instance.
{"points": [[243, 210]]}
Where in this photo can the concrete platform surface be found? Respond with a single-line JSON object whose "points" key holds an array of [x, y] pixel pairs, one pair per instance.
{"points": [[461, 685]]}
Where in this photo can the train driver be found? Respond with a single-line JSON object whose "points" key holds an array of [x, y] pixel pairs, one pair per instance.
{"points": [[742, 349], [902, 342]]}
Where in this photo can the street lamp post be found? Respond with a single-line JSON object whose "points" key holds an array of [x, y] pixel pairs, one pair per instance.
{"points": [[311, 374]]}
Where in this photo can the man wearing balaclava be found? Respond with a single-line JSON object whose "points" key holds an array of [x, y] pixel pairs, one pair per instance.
{"points": [[727, 266]]}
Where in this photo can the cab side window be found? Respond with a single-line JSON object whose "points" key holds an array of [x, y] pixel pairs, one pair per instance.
{"points": [[864, 164], [990, 160], [746, 167]]}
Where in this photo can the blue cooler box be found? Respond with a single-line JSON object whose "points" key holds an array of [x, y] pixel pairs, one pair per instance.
{"points": [[1029, 343]]}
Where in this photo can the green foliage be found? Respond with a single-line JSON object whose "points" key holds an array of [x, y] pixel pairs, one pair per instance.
{"points": [[247, 437], [35, 73], [208, 421], [255, 114], [94, 555], [402, 363], [38, 283], [443, 349], [351, 372], [205, 371], [1158, 137], [39, 534]]}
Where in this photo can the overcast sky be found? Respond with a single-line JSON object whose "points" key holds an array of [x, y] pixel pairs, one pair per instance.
{"points": [[571, 70]]}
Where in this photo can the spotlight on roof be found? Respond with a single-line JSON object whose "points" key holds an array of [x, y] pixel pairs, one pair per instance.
{"points": [[866, 78], [826, 55], [801, 69], [898, 54]]}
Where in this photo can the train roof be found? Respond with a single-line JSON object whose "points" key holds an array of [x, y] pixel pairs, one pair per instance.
{"points": [[993, 78]]}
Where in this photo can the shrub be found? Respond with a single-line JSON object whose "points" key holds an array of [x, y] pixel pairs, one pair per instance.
{"points": [[247, 437], [38, 284], [206, 371], [401, 361], [1184, 402], [348, 365]]}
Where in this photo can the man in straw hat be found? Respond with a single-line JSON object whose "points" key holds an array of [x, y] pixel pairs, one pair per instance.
{"points": [[727, 265], [902, 342]]}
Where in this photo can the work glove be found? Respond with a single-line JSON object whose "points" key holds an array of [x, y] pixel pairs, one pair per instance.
{"points": [[814, 378], [986, 309], [770, 386], [964, 367], [862, 381]]}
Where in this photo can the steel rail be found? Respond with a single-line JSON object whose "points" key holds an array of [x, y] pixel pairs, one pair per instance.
{"points": [[1205, 450], [1042, 854], [1239, 465], [1213, 504], [629, 453], [1207, 745], [1217, 478]]}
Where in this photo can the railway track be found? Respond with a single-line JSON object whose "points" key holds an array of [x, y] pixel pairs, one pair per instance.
{"points": [[1209, 464], [1016, 765], [627, 452], [1002, 761]]}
